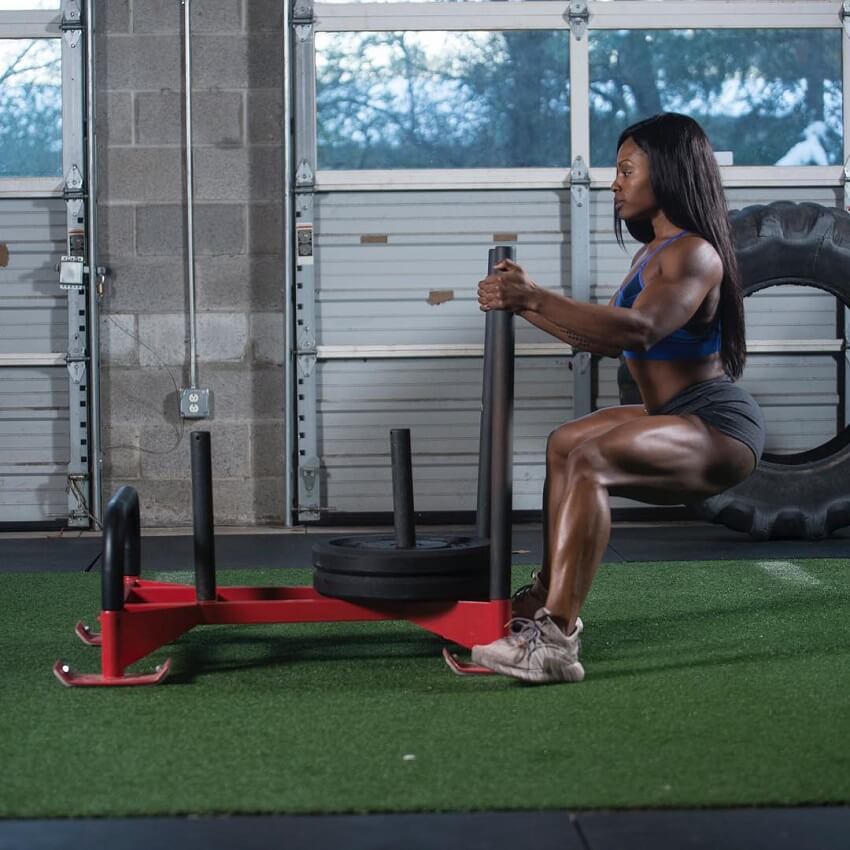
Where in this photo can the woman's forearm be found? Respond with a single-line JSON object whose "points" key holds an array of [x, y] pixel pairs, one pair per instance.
{"points": [[590, 327], [575, 340]]}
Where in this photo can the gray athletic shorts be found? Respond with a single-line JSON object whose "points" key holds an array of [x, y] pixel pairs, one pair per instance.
{"points": [[723, 405]]}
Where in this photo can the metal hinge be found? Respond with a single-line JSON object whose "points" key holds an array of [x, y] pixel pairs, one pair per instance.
{"points": [[308, 472], [844, 14], [579, 182], [74, 204], [71, 18], [304, 176], [579, 16], [302, 11], [306, 341], [73, 184], [303, 32], [302, 20], [71, 24], [306, 363], [76, 369]]}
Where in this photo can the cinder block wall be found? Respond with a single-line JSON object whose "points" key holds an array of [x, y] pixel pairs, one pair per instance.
{"points": [[237, 55]]}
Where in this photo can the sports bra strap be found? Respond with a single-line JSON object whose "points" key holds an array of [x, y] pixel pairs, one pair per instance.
{"points": [[660, 248]]}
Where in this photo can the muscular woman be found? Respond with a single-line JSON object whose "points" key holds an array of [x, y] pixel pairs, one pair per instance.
{"points": [[678, 320]]}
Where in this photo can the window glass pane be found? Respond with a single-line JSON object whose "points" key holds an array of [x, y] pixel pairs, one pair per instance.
{"points": [[442, 99], [28, 5], [771, 97], [30, 107]]}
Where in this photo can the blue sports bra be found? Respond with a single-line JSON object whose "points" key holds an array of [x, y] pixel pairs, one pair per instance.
{"points": [[681, 344]]}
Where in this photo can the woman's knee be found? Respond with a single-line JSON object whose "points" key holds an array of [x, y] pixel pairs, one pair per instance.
{"points": [[566, 438], [585, 464], [560, 443]]}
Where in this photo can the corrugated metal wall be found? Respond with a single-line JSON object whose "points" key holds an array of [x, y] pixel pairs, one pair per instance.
{"points": [[377, 293], [380, 255], [34, 429]]}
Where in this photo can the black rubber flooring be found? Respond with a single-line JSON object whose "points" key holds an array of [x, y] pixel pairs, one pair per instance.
{"points": [[699, 829], [682, 542], [804, 828]]}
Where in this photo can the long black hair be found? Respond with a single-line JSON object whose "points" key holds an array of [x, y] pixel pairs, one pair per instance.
{"points": [[687, 186]]}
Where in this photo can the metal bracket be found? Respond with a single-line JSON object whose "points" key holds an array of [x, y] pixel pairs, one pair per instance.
{"points": [[73, 182], [71, 24], [77, 370], [306, 364], [306, 341], [308, 471], [304, 176], [303, 203], [75, 205], [76, 348], [302, 10], [844, 14], [579, 16], [81, 479], [303, 32], [579, 182]]}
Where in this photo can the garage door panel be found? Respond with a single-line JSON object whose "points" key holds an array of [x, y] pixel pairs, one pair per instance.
{"points": [[377, 294]]}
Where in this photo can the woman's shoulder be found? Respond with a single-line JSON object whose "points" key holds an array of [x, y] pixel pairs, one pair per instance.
{"points": [[692, 252]]}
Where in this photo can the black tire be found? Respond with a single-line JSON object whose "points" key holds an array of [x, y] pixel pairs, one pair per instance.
{"points": [[806, 495]]}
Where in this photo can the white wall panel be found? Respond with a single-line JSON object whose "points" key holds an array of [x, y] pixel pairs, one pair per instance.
{"points": [[34, 414], [34, 444], [379, 255], [439, 400]]}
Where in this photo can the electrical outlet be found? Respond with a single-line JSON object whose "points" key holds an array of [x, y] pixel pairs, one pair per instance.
{"points": [[195, 403]]}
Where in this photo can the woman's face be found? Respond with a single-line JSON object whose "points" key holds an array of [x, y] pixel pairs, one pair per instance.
{"points": [[632, 188]]}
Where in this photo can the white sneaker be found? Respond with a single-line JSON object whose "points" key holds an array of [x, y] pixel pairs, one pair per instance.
{"points": [[535, 651]]}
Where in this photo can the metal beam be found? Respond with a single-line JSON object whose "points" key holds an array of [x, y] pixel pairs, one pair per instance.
{"points": [[308, 493], [289, 243], [95, 454], [557, 178], [544, 15]]}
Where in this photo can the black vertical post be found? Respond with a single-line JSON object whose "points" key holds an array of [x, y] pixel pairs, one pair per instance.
{"points": [[482, 508], [120, 530], [502, 395], [405, 530], [202, 516], [133, 543]]}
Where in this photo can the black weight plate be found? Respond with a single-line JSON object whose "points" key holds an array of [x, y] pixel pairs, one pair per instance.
{"points": [[415, 588], [376, 554]]}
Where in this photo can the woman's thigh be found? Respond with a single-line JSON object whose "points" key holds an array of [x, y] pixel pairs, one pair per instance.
{"points": [[663, 460], [565, 438]]}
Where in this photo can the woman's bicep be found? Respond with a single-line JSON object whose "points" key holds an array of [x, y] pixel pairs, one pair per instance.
{"points": [[667, 305], [673, 297]]}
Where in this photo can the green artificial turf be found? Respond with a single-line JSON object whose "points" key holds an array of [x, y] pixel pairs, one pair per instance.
{"points": [[708, 684]]}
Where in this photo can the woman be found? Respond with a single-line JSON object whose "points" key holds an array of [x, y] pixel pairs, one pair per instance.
{"points": [[678, 319]]}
